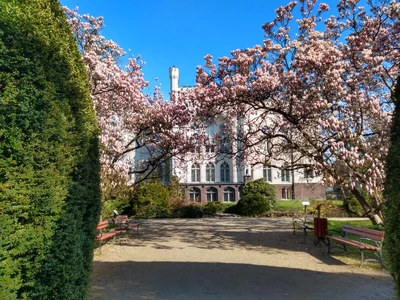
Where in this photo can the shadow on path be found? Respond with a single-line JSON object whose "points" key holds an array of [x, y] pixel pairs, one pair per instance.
{"points": [[264, 235], [191, 280]]}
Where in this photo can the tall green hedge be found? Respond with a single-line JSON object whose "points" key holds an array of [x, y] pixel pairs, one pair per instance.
{"points": [[49, 167], [392, 195]]}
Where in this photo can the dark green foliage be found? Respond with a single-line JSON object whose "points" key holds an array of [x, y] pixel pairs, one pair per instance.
{"points": [[262, 187], [392, 195], [212, 208], [258, 198], [189, 211], [252, 205], [150, 200], [117, 197], [231, 209], [353, 206], [49, 169]]}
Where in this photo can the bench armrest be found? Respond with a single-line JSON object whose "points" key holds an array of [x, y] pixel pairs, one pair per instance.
{"points": [[329, 232], [294, 219], [376, 243]]}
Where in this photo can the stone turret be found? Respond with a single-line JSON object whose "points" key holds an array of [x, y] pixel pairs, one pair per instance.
{"points": [[174, 78]]}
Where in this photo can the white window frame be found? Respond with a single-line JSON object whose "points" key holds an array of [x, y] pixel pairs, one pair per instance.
{"points": [[212, 194], [229, 194], [225, 172], [286, 175], [267, 173], [195, 172], [210, 172]]}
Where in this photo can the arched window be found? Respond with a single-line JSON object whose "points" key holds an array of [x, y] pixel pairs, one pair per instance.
{"points": [[195, 173], [194, 195], [225, 173], [212, 194], [267, 173], [286, 193], [229, 195], [210, 172]]}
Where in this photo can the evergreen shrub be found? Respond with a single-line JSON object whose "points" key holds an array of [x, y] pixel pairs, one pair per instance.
{"points": [[258, 198], [189, 211], [392, 195], [212, 208], [151, 200], [49, 166]]}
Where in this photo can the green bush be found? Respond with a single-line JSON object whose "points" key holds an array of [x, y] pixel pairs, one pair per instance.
{"points": [[252, 205], [392, 195], [49, 167], [258, 198], [231, 209], [151, 200], [189, 211], [212, 208], [122, 206], [117, 197], [327, 208]]}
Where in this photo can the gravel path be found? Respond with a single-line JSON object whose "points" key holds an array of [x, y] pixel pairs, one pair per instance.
{"points": [[229, 258]]}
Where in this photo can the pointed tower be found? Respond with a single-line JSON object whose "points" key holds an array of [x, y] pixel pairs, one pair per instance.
{"points": [[174, 78]]}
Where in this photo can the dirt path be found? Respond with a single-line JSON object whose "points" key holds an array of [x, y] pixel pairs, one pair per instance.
{"points": [[229, 258]]}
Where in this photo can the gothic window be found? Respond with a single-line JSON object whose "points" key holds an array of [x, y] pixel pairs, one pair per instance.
{"points": [[212, 194], [210, 172], [194, 195], [195, 173], [229, 195], [225, 172]]}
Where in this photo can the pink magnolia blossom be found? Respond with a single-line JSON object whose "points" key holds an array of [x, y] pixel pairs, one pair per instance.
{"points": [[130, 121], [325, 93]]}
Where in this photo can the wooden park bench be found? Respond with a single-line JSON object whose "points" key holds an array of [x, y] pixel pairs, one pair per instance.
{"points": [[122, 222], [102, 236], [361, 238]]}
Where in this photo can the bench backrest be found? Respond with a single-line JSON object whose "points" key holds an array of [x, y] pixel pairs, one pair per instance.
{"points": [[102, 225], [120, 219], [372, 234]]}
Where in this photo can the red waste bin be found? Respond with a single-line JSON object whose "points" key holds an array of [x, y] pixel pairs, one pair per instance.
{"points": [[320, 227]]}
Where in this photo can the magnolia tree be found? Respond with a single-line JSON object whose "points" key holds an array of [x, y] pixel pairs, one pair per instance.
{"points": [[139, 132], [317, 91]]}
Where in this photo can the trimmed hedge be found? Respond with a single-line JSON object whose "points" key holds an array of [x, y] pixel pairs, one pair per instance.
{"points": [[392, 195], [49, 166]]}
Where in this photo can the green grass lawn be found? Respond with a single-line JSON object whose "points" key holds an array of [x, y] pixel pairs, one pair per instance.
{"points": [[295, 206]]}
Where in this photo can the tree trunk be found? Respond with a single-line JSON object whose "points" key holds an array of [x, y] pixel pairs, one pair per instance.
{"points": [[374, 214]]}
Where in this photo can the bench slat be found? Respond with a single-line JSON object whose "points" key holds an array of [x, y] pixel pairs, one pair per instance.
{"points": [[107, 235], [364, 232], [354, 243]]}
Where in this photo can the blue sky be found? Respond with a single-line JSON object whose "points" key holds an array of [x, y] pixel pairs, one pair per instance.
{"points": [[181, 32]]}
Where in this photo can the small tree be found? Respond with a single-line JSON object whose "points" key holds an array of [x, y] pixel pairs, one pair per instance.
{"points": [[392, 195]]}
